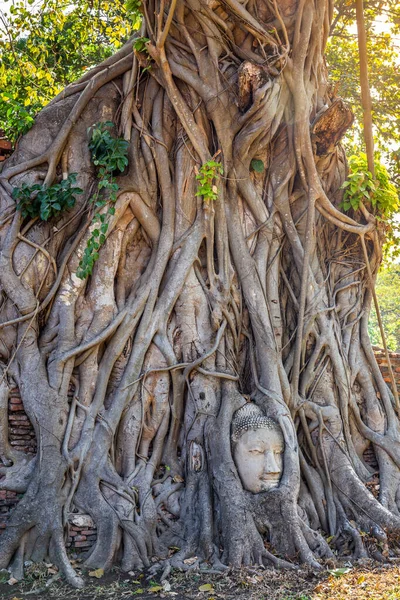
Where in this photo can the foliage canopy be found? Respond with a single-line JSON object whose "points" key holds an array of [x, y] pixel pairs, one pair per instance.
{"points": [[46, 45]]}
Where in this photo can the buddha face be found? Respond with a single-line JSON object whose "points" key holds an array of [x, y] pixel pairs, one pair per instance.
{"points": [[258, 457]]}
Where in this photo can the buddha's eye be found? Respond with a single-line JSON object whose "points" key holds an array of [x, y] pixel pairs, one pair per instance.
{"points": [[256, 451]]}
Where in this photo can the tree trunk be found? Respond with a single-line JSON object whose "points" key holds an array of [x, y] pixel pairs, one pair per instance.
{"points": [[253, 292]]}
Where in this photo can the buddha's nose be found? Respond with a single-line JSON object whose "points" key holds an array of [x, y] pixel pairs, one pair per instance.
{"points": [[270, 464]]}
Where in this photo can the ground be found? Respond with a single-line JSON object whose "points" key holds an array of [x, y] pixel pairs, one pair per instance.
{"points": [[367, 580]]}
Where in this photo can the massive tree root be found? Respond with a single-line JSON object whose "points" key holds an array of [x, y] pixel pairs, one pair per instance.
{"points": [[195, 306]]}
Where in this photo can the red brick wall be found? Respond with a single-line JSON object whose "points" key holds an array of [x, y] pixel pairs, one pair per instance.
{"points": [[82, 533], [20, 431], [383, 365]]}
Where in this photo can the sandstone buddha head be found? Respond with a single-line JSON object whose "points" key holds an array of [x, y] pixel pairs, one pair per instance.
{"points": [[258, 446]]}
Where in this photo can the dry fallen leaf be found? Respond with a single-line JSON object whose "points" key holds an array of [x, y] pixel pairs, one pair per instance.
{"points": [[12, 581], [52, 570], [190, 561], [97, 573]]}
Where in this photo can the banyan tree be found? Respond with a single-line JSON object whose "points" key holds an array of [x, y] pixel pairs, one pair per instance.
{"points": [[185, 303]]}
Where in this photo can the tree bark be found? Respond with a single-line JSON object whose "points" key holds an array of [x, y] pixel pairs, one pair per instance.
{"points": [[196, 306]]}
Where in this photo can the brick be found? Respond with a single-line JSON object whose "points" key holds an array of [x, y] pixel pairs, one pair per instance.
{"points": [[5, 145], [18, 418], [88, 531], [21, 425], [15, 400], [83, 544], [80, 538], [16, 407]]}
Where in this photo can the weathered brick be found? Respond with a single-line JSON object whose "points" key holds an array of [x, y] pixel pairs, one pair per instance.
{"points": [[85, 544], [15, 400]]}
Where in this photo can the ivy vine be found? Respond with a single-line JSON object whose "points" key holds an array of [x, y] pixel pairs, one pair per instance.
{"points": [[110, 155]]}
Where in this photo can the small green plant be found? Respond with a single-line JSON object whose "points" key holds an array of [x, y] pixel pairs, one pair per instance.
{"points": [[110, 155], [207, 178], [379, 194], [44, 202]]}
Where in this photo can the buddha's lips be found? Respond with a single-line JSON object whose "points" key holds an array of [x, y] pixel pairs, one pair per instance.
{"points": [[270, 478]]}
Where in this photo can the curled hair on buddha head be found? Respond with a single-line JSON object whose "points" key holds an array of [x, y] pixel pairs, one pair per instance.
{"points": [[251, 417]]}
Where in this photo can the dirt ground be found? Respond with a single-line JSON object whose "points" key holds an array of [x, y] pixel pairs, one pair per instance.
{"points": [[366, 581]]}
